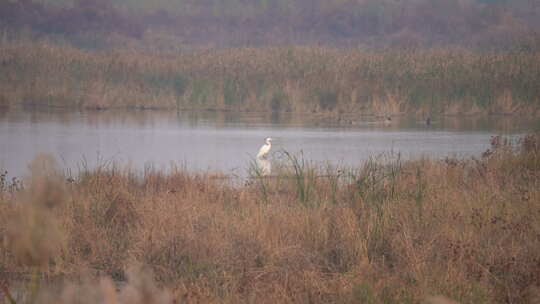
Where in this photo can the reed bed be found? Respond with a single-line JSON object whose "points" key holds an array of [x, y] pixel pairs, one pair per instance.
{"points": [[278, 79], [385, 232]]}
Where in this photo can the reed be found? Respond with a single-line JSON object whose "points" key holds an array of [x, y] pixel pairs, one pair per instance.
{"points": [[344, 82], [392, 231]]}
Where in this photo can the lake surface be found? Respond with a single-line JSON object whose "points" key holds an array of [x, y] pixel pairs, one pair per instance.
{"points": [[228, 142]]}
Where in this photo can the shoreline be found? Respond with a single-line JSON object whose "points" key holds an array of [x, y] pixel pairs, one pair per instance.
{"points": [[112, 109]]}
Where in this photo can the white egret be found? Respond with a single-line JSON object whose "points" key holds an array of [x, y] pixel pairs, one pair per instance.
{"points": [[262, 162], [263, 151]]}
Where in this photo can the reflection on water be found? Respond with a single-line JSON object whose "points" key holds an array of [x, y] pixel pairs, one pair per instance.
{"points": [[228, 141], [264, 166]]}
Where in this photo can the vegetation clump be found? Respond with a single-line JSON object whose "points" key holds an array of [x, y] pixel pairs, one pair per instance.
{"points": [[394, 231], [341, 82]]}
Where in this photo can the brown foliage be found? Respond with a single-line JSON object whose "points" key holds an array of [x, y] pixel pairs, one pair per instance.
{"points": [[394, 231], [284, 79]]}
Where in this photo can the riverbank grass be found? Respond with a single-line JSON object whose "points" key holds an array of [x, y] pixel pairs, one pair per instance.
{"points": [[395, 231], [273, 79]]}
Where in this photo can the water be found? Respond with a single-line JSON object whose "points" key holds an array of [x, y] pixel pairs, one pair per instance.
{"points": [[228, 142]]}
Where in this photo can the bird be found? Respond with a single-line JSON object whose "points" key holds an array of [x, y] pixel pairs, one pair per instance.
{"points": [[262, 162], [263, 151]]}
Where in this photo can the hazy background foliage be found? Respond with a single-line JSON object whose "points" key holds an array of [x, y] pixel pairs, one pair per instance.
{"points": [[226, 23]]}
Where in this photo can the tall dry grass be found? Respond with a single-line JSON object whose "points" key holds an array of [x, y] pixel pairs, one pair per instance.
{"points": [[381, 233], [281, 79]]}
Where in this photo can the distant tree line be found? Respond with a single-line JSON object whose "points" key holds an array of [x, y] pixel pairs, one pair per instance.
{"points": [[374, 23], [98, 16]]}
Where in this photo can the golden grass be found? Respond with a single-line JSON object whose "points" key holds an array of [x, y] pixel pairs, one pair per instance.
{"points": [[283, 79], [382, 233]]}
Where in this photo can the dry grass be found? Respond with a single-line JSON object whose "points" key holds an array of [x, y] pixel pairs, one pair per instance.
{"points": [[468, 230], [283, 79]]}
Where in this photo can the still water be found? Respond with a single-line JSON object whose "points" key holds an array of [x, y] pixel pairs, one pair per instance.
{"points": [[228, 142]]}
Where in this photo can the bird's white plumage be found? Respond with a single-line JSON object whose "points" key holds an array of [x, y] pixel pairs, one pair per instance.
{"points": [[262, 162], [263, 151]]}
